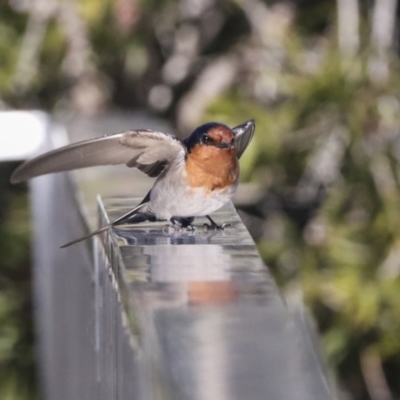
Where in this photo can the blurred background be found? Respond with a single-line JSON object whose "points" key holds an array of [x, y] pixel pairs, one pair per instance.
{"points": [[321, 179]]}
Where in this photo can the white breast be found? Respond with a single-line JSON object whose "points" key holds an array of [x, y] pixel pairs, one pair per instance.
{"points": [[171, 196]]}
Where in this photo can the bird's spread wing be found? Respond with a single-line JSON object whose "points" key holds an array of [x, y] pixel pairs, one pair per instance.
{"points": [[146, 150], [152, 151], [243, 135]]}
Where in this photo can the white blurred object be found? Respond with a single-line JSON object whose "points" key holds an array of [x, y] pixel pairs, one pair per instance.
{"points": [[383, 29], [24, 133], [383, 24], [160, 97], [348, 26], [194, 8]]}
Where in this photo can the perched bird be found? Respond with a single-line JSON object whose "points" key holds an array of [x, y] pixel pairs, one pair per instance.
{"points": [[195, 176]]}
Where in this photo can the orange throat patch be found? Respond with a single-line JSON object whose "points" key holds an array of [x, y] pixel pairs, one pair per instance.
{"points": [[212, 168]]}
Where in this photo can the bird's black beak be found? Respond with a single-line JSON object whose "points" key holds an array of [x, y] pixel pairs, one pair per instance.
{"points": [[243, 135], [247, 127]]}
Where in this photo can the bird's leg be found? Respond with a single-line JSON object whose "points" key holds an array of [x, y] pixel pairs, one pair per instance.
{"points": [[214, 225]]}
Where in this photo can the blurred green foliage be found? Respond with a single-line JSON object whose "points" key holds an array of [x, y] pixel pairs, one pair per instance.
{"points": [[325, 157], [17, 373], [328, 161]]}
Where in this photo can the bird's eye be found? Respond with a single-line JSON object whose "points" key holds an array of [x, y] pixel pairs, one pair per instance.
{"points": [[206, 139]]}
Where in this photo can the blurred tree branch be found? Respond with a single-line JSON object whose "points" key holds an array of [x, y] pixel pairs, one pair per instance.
{"points": [[89, 92], [383, 27], [371, 365], [40, 11], [348, 27]]}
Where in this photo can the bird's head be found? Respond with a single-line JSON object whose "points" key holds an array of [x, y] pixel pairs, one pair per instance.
{"points": [[211, 138], [213, 150], [211, 158]]}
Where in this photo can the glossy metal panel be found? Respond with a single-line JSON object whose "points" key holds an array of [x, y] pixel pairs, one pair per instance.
{"points": [[207, 315]]}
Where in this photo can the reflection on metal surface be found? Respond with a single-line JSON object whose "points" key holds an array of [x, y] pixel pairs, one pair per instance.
{"points": [[212, 292], [212, 357], [199, 267]]}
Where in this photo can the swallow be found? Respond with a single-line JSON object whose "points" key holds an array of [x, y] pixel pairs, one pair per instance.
{"points": [[195, 176]]}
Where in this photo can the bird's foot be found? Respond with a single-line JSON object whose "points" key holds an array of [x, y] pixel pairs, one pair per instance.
{"points": [[214, 226], [175, 228]]}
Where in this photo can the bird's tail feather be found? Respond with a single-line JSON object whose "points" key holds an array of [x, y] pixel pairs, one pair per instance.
{"points": [[104, 228], [120, 220]]}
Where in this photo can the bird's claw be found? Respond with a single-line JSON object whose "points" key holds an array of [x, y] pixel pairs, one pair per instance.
{"points": [[221, 227], [170, 229]]}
